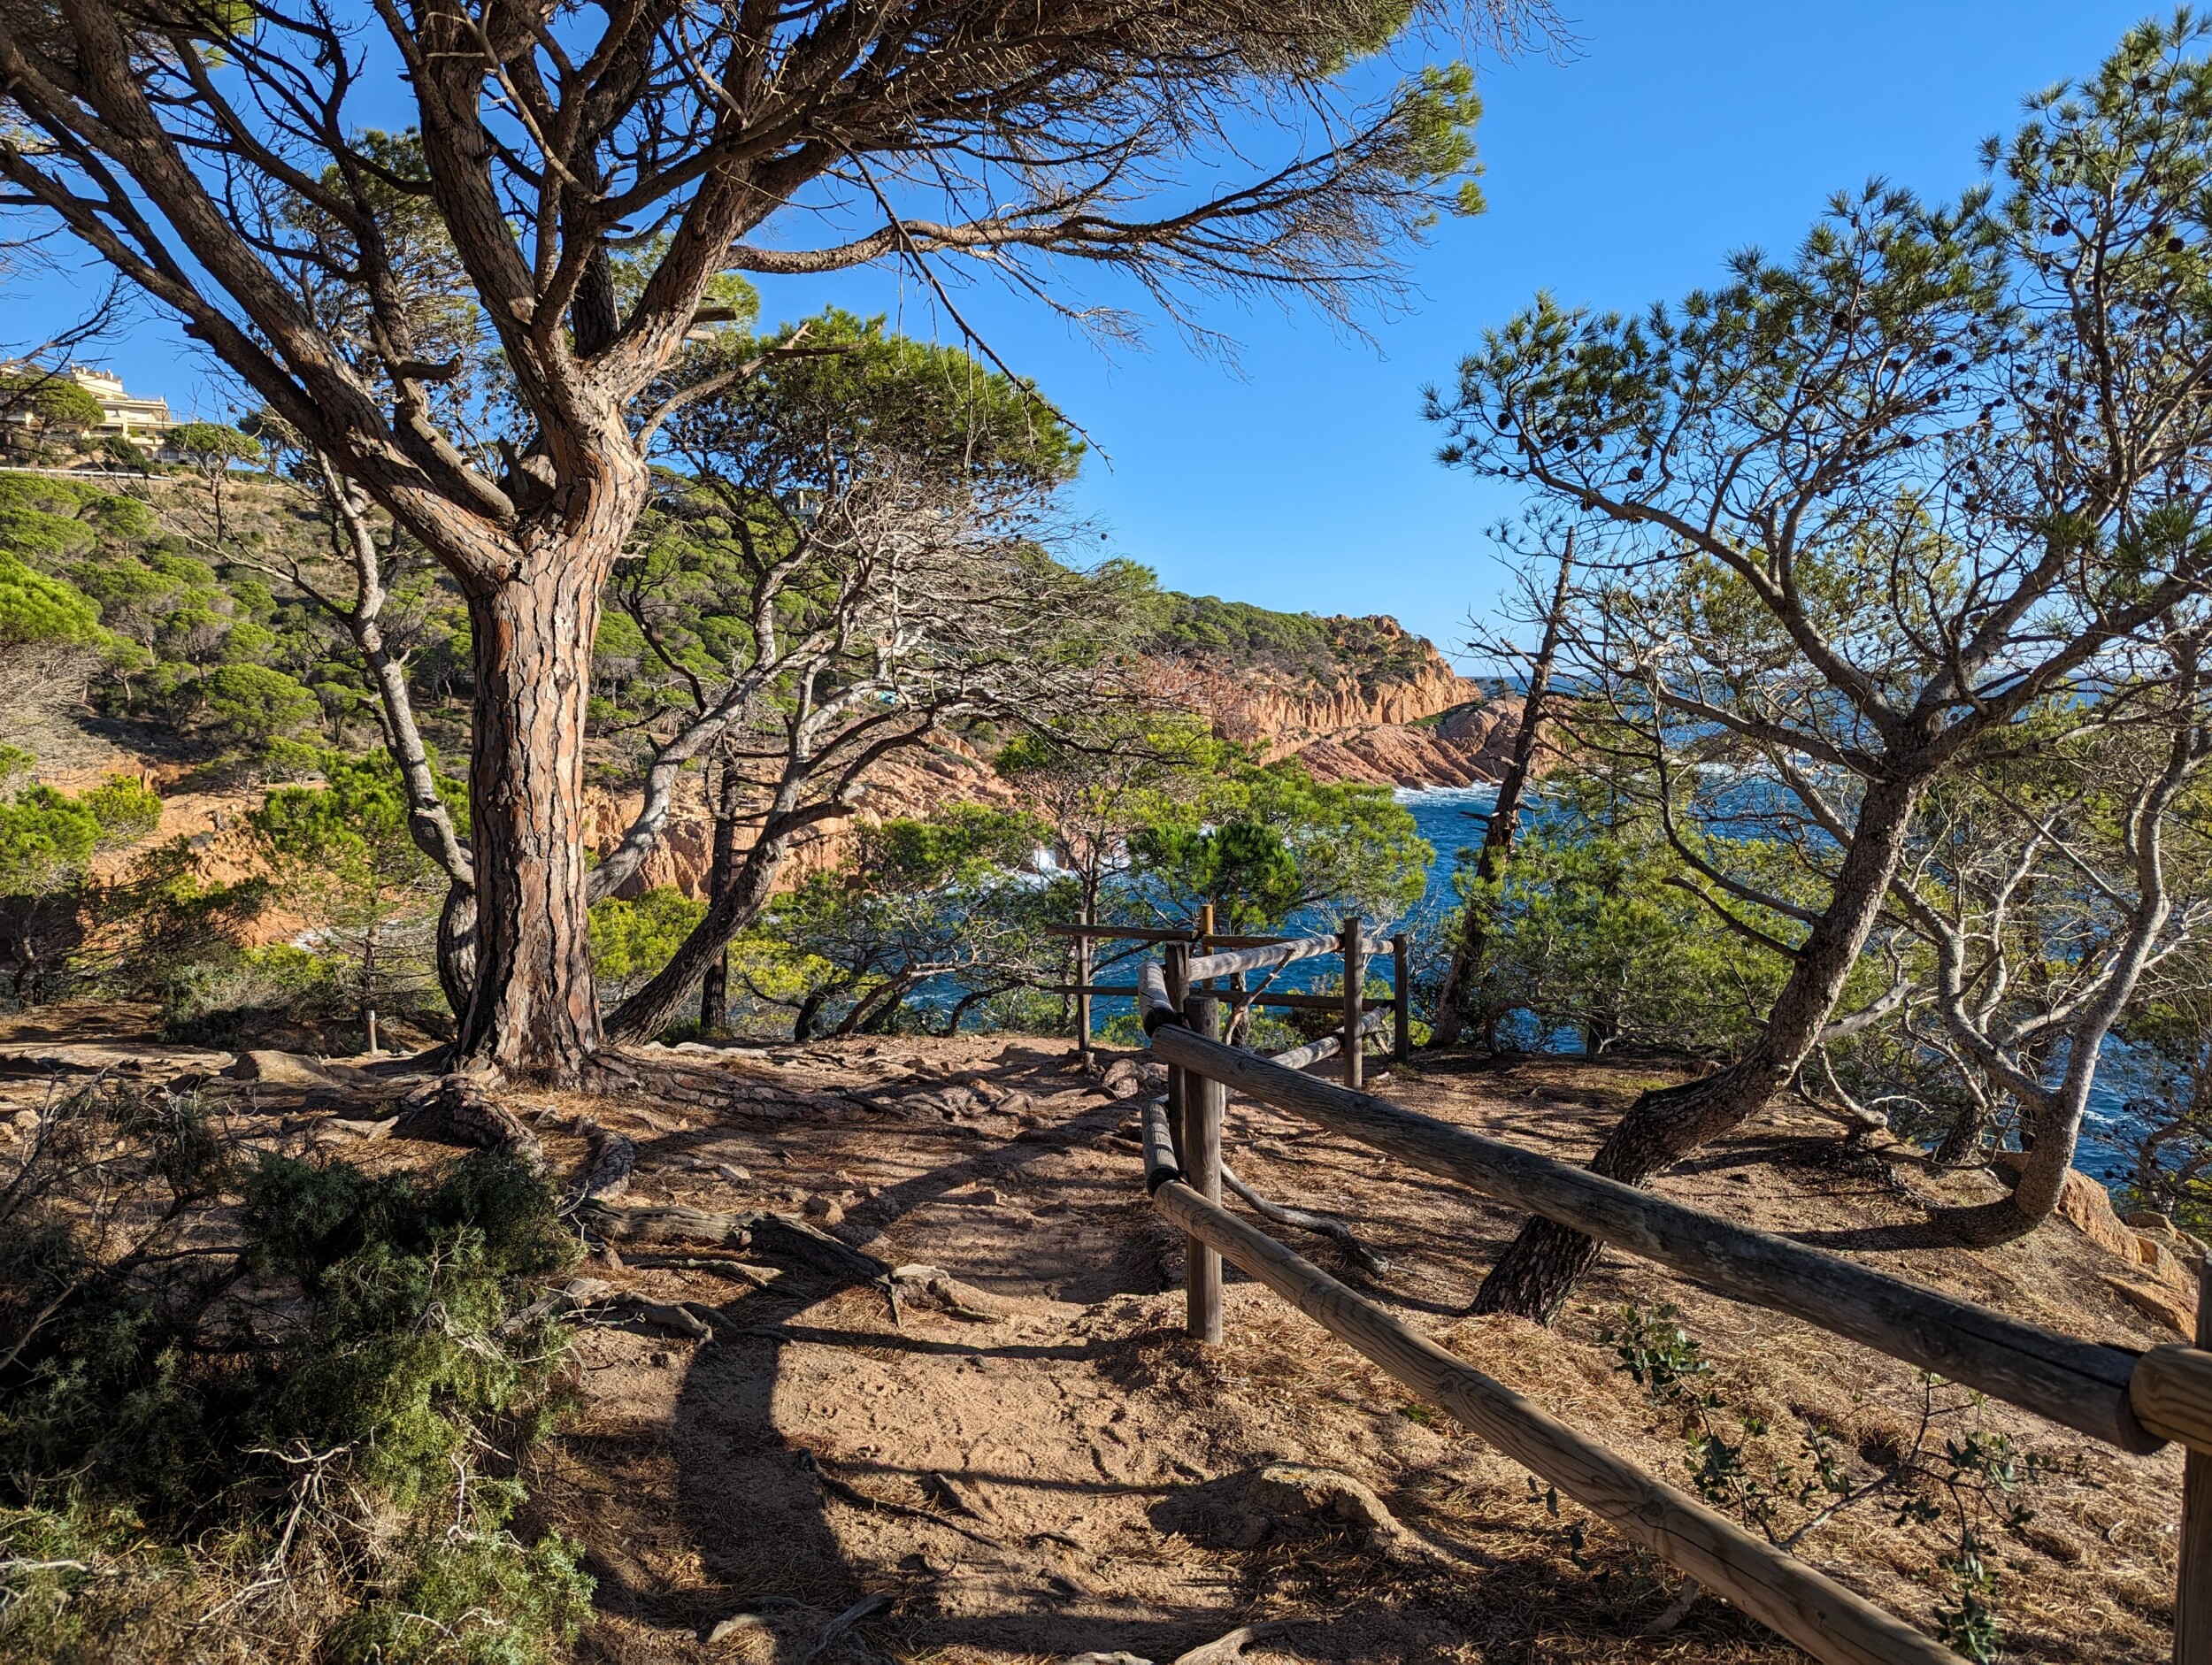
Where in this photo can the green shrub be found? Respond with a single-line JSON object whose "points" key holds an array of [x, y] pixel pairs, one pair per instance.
{"points": [[353, 1342], [631, 941]]}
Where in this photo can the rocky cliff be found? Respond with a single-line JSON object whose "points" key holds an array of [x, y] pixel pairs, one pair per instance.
{"points": [[947, 772], [1285, 715], [1470, 746], [1387, 708]]}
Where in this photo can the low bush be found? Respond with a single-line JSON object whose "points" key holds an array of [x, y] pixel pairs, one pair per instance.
{"points": [[287, 1396]]}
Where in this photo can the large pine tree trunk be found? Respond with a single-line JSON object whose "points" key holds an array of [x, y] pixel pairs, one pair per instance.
{"points": [[1534, 1276], [533, 1012]]}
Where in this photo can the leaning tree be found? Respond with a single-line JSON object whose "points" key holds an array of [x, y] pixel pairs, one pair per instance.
{"points": [[1850, 523], [219, 158]]}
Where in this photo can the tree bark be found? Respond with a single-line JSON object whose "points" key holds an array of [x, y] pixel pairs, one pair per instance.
{"points": [[1505, 814], [714, 986], [534, 1012], [1963, 1138], [457, 949], [1534, 1276]]}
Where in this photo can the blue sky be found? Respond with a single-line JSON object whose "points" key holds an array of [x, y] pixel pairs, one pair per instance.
{"points": [[1303, 479]]}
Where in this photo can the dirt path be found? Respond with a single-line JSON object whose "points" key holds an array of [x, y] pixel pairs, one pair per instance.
{"points": [[1075, 1476]]}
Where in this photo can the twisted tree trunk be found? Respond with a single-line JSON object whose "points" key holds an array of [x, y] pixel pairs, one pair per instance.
{"points": [[656, 1005], [714, 986], [1535, 1274]]}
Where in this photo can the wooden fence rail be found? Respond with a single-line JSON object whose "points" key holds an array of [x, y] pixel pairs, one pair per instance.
{"points": [[2081, 1384], [1796, 1601], [2134, 1401], [1186, 967]]}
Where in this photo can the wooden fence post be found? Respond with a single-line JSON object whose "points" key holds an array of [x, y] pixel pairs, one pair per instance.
{"points": [[1083, 1002], [1400, 978], [1177, 971], [1203, 1098], [1353, 945], [2192, 1592]]}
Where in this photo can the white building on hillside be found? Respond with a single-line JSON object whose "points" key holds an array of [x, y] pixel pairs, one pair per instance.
{"points": [[123, 414]]}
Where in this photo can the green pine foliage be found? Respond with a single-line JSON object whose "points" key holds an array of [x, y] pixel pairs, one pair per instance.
{"points": [[335, 1384], [630, 940], [1263, 842]]}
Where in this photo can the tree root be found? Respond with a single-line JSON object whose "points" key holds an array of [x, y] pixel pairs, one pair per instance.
{"points": [[961, 1300], [1677, 1610], [710, 1086], [456, 1108], [843, 1623], [848, 1493], [1227, 1649], [593, 1296], [1365, 1258], [614, 1160]]}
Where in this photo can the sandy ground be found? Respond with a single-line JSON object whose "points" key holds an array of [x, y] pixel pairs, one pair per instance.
{"points": [[1072, 1476], [1075, 1477]]}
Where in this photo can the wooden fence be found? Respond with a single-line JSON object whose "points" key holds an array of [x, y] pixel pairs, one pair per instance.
{"points": [[1201, 955], [2135, 1401]]}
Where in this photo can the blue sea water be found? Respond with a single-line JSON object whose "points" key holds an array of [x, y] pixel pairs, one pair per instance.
{"points": [[1452, 818]]}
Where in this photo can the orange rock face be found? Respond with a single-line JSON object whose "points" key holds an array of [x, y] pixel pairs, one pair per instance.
{"points": [[913, 784], [1473, 745]]}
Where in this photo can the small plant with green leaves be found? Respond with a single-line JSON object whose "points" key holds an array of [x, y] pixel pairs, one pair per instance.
{"points": [[1954, 1474], [1653, 1348]]}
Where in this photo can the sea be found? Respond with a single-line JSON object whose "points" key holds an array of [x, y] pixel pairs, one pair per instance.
{"points": [[1453, 818]]}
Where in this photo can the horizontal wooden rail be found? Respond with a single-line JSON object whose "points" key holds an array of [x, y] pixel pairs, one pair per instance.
{"points": [[1279, 952], [1155, 933], [1327, 1047], [1293, 1001], [1289, 1001], [1820, 1615], [2171, 1392], [2083, 1385]]}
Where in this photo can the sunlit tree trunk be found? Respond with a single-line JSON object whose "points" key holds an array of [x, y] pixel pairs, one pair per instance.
{"points": [[534, 1012], [1535, 1274], [714, 986]]}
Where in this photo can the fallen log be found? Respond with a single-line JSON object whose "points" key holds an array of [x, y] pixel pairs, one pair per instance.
{"points": [[614, 1160], [762, 1229]]}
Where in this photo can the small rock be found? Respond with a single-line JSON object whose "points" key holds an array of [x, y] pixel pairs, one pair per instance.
{"points": [[824, 1210], [736, 1624], [298, 1072], [25, 1120], [2156, 1301], [1296, 1488]]}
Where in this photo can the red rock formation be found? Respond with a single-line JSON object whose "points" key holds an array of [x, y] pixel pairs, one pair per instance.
{"points": [[949, 771], [1282, 715], [1470, 746]]}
